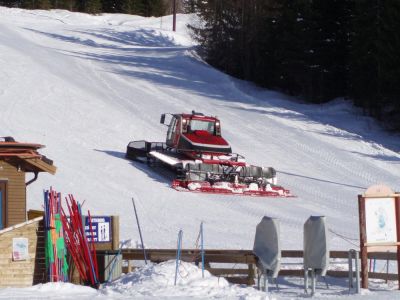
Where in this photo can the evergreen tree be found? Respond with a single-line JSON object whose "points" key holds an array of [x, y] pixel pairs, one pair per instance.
{"points": [[298, 46], [133, 7], [189, 6], [93, 6], [44, 4], [115, 6], [154, 8], [331, 46], [375, 63], [9, 3]]}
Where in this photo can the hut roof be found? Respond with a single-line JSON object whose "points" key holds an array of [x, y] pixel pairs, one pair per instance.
{"points": [[26, 155]]}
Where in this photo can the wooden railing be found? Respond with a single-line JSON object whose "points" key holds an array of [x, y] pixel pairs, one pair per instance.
{"points": [[240, 264]]}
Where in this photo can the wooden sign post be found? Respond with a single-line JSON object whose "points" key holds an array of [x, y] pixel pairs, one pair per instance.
{"points": [[379, 220]]}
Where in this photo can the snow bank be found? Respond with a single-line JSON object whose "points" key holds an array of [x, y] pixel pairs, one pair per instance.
{"points": [[157, 280], [58, 290], [154, 281]]}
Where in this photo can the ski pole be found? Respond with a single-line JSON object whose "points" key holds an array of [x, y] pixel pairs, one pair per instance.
{"points": [[114, 261], [202, 249], [178, 253], [140, 231]]}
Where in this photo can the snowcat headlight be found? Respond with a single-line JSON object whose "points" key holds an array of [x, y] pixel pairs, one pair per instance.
{"points": [[184, 125]]}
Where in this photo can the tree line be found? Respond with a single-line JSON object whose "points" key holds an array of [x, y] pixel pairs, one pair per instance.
{"points": [[316, 49], [146, 8]]}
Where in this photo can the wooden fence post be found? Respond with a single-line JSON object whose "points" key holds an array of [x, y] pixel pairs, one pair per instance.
{"points": [[250, 279], [115, 232]]}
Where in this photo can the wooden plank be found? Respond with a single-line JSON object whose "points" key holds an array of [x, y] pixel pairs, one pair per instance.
{"points": [[221, 256], [291, 253], [289, 273], [213, 258], [238, 280], [334, 273], [16, 284], [41, 165], [382, 276], [190, 251], [103, 246], [383, 255], [227, 271], [16, 272], [293, 273], [137, 254]]}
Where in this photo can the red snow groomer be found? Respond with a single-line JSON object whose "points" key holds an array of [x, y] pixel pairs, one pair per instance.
{"points": [[202, 159]]}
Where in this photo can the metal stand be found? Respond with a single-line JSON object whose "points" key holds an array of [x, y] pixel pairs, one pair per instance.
{"points": [[313, 280], [358, 289], [313, 274], [276, 283], [265, 278], [306, 281], [354, 254], [266, 289]]}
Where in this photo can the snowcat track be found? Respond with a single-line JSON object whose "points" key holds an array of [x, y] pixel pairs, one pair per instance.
{"points": [[263, 194], [204, 187], [158, 155]]}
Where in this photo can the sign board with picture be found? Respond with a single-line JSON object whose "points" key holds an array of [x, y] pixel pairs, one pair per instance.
{"points": [[101, 226], [380, 218], [20, 248], [379, 223]]}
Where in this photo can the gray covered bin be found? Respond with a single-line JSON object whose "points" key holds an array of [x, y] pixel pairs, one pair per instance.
{"points": [[267, 246], [316, 252]]}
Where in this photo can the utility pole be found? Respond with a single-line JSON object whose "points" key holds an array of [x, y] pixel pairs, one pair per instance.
{"points": [[174, 15]]}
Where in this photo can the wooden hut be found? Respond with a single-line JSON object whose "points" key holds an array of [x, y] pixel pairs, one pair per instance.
{"points": [[17, 159]]}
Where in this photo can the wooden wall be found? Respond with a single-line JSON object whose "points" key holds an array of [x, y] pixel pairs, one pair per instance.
{"points": [[28, 272], [16, 193]]}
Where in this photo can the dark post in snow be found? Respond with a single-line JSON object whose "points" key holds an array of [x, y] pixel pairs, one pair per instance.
{"points": [[363, 241], [397, 199], [174, 15]]}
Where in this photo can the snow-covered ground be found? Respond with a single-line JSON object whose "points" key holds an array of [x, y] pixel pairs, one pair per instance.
{"points": [[85, 86], [157, 282]]}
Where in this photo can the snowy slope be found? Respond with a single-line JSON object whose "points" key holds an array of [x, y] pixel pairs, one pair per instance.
{"points": [[86, 85]]}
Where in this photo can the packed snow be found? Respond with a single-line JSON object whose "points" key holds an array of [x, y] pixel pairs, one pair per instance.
{"points": [[86, 85], [156, 281]]}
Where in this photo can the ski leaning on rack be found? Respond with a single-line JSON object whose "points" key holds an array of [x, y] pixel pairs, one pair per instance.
{"points": [[80, 247], [55, 250]]}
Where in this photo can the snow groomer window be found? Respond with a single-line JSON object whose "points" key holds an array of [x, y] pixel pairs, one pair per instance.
{"points": [[171, 128], [202, 125]]}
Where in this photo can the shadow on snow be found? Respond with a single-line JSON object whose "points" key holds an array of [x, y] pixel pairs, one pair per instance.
{"points": [[135, 58], [154, 173]]}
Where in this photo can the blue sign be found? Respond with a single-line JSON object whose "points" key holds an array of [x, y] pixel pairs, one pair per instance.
{"points": [[101, 226]]}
